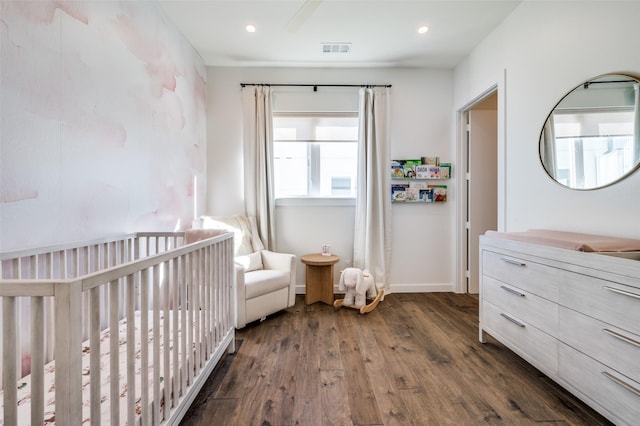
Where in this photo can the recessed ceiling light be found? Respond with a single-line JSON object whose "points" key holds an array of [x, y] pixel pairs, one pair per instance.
{"points": [[250, 28], [423, 29]]}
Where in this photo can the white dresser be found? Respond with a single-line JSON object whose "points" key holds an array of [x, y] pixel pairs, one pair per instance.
{"points": [[573, 315]]}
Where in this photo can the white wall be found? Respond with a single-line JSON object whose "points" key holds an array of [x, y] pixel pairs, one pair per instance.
{"points": [[545, 49], [103, 122], [421, 124]]}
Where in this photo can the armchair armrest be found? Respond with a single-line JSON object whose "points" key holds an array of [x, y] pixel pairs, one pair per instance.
{"points": [[237, 296], [282, 262], [278, 261]]}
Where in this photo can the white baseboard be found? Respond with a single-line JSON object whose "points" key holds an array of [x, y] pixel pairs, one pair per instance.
{"points": [[421, 288], [403, 288]]}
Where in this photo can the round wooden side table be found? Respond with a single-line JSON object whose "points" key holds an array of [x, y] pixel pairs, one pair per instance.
{"points": [[319, 278]]}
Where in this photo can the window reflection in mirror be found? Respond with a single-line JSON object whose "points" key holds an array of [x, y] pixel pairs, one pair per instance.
{"points": [[589, 140]]}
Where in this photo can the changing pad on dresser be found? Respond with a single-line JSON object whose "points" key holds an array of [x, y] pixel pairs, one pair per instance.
{"points": [[571, 240]]}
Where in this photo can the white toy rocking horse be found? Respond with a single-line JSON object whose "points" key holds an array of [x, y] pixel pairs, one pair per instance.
{"points": [[358, 286]]}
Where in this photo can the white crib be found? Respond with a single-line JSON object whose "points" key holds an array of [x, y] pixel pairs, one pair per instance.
{"points": [[122, 330]]}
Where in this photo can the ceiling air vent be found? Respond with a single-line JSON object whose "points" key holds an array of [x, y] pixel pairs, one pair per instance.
{"points": [[336, 47]]}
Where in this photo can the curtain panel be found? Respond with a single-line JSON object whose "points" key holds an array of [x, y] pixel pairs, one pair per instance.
{"points": [[372, 234], [636, 124], [258, 160], [547, 147]]}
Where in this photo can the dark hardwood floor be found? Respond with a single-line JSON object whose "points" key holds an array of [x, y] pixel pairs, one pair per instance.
{"points": [[414, 360]]}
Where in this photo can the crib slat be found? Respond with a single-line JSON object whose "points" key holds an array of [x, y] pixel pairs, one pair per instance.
{"points": [[219, 295], [156, 346], [177, 301], [114, 356], [17, 271], [63, 264], [166, 322], [37, 360], [9, 356], [183, 324], [196, 312], [144, 344], [207, 307], [75, 263], [68, 352], [131, 350], [191, 315], [136, 249], [229, 276], [49, 312], [94, 355]]}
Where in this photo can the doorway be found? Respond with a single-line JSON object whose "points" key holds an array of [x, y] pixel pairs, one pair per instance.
{"points": [[479, 197]]}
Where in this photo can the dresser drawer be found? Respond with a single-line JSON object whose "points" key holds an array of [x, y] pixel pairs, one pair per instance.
{"points": [[610, 345], [530, 276], [534, 345], [604, 300], [618, 395], [539, 312]]}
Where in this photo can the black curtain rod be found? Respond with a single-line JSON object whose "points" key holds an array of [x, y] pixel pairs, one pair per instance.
{"points": [[315, 86], [589, 83]]}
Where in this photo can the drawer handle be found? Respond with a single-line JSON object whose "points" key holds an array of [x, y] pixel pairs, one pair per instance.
{"points": [[515, 321], [510, 290], [621, 383], [620, 291], [513, 262], [621, 337]]}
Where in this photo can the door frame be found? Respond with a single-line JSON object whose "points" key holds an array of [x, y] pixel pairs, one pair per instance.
{"points": [[461, 152]]}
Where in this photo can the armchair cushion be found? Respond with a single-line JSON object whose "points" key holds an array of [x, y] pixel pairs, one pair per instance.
{"points": [[263, 281], [250, 262]]}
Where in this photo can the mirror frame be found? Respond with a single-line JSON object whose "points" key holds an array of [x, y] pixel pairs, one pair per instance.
{"points": [[585, 83]]}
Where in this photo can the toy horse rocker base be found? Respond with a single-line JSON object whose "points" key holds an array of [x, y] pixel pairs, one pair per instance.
{"points": [[358, 286]]}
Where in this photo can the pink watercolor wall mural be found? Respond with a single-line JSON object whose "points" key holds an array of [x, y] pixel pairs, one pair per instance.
{"points": [[103, 122]]}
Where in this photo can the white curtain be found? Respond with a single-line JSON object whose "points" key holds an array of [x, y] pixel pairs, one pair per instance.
{"points": [[372, 236], [636, 124], [548, 147], [258, 161]]}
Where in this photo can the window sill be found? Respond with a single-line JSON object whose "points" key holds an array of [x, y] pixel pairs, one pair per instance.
{"points": [[316, 201]]}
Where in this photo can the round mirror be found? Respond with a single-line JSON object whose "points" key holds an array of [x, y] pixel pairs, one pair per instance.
{"points": [[591, 138]]}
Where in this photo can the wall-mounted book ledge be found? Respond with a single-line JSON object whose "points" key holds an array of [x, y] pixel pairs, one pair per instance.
{"points": [[410, 180]]}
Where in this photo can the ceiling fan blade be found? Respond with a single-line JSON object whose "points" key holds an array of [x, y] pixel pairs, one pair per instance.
{"points": [[301, 16]]}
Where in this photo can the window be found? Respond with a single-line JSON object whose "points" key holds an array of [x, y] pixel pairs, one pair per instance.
{"points": [[315, 154], [593, 147]]}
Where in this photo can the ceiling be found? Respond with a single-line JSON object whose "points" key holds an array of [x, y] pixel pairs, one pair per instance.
{"points": [[381, 33]]}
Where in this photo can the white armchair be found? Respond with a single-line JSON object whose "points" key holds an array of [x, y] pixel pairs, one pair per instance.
{"points": [[265, 280]]}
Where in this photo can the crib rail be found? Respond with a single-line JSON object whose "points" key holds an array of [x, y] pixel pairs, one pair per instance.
{"points": [[169, 303]]}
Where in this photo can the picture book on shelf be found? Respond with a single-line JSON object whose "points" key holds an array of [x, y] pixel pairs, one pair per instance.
{"points": [[431, 161], [433, 172], [445, 170], [397, 172], [422, 171], [439, 192], [412, 195], [404, 169], [426, 195], [399, 192]]}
